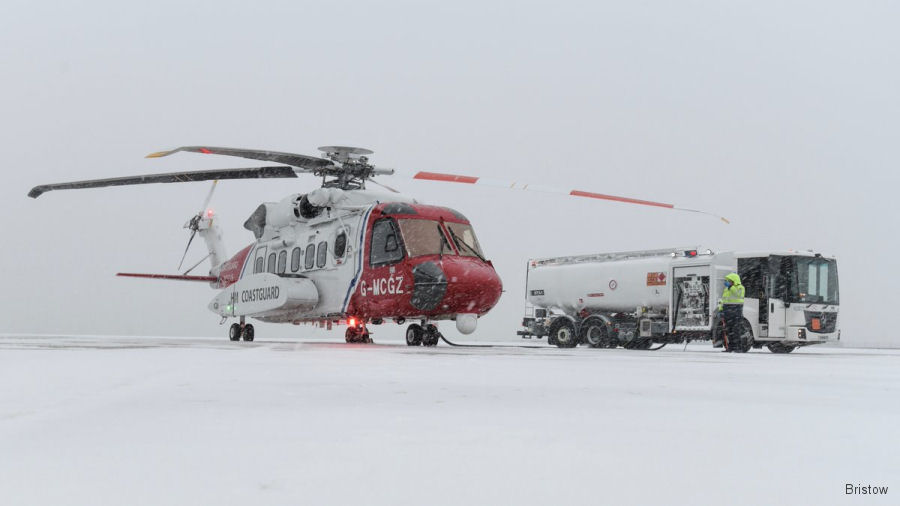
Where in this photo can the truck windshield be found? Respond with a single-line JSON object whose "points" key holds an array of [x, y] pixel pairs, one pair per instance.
{"points": [[814, 280], [424, 237]]}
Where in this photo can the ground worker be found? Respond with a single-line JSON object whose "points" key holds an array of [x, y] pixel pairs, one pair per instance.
{"points": [[732, 308]]}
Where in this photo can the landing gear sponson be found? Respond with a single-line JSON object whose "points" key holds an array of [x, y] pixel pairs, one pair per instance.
{"points": [[241, 330], [426, 335]]}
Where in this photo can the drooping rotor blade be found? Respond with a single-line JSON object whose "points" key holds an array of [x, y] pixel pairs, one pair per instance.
{"points": [[509, 185], [302, 161], [172, 177]]}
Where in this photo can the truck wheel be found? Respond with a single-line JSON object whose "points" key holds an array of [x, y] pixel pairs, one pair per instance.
{"points": [[780, 348], [746, 336], [563, 332], [596, 335]]}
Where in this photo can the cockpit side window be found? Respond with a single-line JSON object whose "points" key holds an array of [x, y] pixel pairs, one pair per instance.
{"points": [[386, 247]]}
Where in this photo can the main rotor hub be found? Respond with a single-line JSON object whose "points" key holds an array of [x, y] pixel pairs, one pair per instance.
{"points": [[351, 167]]}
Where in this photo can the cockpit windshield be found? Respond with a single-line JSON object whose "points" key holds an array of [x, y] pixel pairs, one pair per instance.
{"points": [[424, 237], [465, 240]]}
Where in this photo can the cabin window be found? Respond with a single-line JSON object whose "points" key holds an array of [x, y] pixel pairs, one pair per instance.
{"points": [[340, 245], [310, 256], [282, 261], [270, 267], [321, 254], [385, 244], [295, 259], [259, 265]]}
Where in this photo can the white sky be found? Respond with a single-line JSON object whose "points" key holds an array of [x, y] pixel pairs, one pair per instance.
{"points": [[780, 115]]}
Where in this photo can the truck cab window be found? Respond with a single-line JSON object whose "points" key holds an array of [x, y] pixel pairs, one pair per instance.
{"points": [[385, 247]]}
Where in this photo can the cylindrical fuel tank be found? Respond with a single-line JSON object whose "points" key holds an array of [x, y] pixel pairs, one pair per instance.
{"points": [[610, 286]]}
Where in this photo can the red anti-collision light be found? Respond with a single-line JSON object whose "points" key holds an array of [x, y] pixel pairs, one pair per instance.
{"points": [[351, 322]]}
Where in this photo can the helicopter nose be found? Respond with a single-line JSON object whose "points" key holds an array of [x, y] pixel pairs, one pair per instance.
{"points": [[473, 286]]}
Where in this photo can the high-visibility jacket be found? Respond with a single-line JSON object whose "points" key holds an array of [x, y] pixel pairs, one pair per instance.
{"points": [[733, 294]]}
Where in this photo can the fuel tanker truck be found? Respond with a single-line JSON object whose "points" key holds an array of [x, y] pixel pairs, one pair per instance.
{"points": [[636, 299]]}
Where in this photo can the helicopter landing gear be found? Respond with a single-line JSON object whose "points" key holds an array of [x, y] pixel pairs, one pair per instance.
{"points": [[358, 334], [426, 335], [414, 335], [431, 336], [241, 330], [248, 332]]}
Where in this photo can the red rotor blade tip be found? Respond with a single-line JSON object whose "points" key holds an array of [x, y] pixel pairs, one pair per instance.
{"points": [[450, 178], [627, 200]]}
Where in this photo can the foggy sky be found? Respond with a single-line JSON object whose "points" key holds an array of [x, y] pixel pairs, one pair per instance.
{"points": [[781, 116]]}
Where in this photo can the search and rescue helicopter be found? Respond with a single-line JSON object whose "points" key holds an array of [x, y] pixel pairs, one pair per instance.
{"points": [[340, 254]]}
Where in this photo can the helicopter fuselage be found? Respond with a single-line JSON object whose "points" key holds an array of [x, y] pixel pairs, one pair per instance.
{"points": [[389, 258]]}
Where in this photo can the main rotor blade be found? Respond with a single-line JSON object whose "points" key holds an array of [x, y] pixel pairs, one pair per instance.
{"points": [[292, 159], [172, 177], [509, 185]]}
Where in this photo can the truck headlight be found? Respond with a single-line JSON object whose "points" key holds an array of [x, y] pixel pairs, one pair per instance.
{"points": [[801, 333]]}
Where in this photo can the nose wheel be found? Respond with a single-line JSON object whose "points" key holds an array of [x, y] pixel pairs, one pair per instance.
{"points": [[358, 334], [418, 335]]}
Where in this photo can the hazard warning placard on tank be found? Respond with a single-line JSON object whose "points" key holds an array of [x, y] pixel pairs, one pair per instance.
{"points": [[656, 278]]}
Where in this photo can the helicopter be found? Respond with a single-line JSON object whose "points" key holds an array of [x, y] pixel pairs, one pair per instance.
{"points": [[340, 254]]}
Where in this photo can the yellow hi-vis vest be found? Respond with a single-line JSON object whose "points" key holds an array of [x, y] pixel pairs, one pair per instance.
{"points": [[733, 294]]}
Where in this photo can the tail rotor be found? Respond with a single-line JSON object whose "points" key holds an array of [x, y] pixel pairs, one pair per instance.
{"points": [[194, 223]]}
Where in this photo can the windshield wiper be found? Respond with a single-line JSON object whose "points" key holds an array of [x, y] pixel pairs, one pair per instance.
{"points": [[443, 241], [464, 243]]}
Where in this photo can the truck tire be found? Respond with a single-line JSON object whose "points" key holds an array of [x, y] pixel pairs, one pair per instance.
{"points": [[595, 333], [780, 348], [746, 336], [562, 331]]}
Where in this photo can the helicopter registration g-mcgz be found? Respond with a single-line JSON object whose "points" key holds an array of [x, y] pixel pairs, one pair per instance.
{"points": [[340, 253]]}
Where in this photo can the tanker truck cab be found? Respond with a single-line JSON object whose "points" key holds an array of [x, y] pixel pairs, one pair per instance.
{"points": [[791, 298]]}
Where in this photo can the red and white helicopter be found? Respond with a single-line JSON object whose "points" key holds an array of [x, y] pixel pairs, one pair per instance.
{"points": [[340, 253]]}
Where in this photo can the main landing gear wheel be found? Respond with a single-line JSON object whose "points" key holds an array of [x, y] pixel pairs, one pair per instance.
{"points": [[780, 348], [563, 333], [357, 335], [247, 333], [414, 334], [234, 332], [431, 336]]}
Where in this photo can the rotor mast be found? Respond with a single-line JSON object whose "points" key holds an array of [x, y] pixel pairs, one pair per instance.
{"points": [[350, 170]]}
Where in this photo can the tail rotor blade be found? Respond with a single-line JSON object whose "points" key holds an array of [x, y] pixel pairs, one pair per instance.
{"points": [[209, 196], [186, 248]]}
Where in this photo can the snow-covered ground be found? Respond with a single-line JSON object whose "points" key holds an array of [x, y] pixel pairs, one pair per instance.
{"points": [[108, 420]]}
